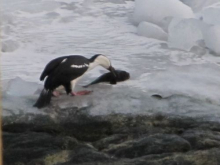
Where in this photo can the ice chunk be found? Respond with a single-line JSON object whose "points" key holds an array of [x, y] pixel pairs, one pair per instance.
{"points": [[212, 39], [164, 24], [198, 5], [211, 14], [19, 87], [155, 11], [186, 33], [151, 31]]}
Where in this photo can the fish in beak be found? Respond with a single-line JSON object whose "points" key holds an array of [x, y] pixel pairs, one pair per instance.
{"points": [[112, 70]]}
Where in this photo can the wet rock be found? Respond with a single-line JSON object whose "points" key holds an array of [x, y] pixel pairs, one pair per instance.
{"points": [[202, 139], [34, 140], [113, 139], [85, 155], [155, 144], [87, 131], [74, 137], [22, 156], [206, 157]]}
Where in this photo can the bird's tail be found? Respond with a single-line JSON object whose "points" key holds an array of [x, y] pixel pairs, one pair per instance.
{"points": [[44, 99]]}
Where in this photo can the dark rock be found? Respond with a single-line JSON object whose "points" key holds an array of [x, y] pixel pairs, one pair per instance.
{"points": [[155, 144], [204, 157], [88, 131], [202, 139], [113, 139], [88, 155], [20, 155], [74, 137], [34, 140]]}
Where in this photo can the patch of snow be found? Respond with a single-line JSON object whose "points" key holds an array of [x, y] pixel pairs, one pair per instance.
{"points": [[9, 45]]}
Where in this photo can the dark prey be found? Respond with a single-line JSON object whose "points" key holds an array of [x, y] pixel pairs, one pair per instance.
{"points": [[109, 78]]}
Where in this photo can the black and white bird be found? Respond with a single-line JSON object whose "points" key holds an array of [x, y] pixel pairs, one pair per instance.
{"points": [[66, 71]]}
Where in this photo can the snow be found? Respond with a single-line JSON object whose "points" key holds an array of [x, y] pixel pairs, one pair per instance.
{"points": [[151, 31], [212, 39], [9, 46], [186, 33], [190, 79], [19, 87], [154, 11]]}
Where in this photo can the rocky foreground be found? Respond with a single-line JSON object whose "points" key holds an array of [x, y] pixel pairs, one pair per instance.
{"points": [[109, 140]]}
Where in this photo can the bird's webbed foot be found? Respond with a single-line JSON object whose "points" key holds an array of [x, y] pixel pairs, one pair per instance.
{"points": [[80, 93]]}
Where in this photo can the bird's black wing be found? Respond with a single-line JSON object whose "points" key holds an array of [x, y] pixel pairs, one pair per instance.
{"points": [[67, 71], [52, 65]]}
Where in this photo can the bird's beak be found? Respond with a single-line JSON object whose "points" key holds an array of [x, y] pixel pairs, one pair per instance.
{"points": [[112, 70]]}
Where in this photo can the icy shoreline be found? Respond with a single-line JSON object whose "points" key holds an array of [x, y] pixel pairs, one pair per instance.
{"points": [[90, 27], [110, 139]]}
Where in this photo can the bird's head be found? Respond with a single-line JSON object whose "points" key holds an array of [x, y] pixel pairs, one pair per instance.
{"points": [[103, 61]]}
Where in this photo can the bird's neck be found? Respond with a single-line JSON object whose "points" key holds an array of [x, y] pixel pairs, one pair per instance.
{"points": [[92, 65]]}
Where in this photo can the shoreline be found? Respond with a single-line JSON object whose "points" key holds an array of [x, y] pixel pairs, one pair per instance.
{"points": [[79, 138]]}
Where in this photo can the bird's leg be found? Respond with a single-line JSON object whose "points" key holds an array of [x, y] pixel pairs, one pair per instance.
{"points": [[67, 87], [55, 93], [73, 83]]}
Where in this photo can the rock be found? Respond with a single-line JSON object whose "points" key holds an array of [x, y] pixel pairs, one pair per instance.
{"points": [[113, 139], [44, 140], [206, 157], [85, 155], [52, 158], [88, 130], [202, 139], [109, 139], [155, 144]]}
